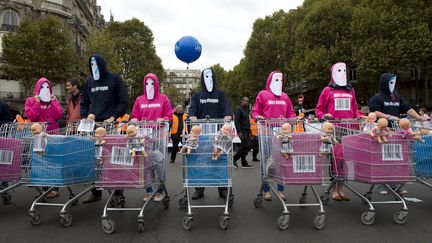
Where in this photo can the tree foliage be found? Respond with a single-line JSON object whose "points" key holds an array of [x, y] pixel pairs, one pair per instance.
{"points": [[39, 49]]}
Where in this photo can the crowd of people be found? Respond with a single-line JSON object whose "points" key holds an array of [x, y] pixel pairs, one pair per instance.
{"points": [[105, 95]]}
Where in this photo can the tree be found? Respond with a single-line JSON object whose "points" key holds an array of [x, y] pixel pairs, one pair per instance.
{"points": [[133, 42], [39, 49]]}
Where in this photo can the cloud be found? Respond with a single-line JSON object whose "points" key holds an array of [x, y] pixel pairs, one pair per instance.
{"points": [[222, 26]]}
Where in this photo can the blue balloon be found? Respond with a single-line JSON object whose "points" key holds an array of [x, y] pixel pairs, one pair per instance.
{"points": [[188, 49]]}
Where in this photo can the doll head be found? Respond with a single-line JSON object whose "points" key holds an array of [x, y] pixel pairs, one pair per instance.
{"points": [[327, 127], [196, 130], [226, 129], [404, 123], [382, 123], [372, 117], [131, 131], [286, 128], [100, 132], [36, 128], [91, 117]]}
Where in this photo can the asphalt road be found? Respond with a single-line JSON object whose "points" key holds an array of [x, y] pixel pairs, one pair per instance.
{"points": [[248, 224]]}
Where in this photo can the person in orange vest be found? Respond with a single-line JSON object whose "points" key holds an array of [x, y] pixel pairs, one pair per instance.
{"points": [[177, 129], [21, 120], [73, 103], [254, 138]]}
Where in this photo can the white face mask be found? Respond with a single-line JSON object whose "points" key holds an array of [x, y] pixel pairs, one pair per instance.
{"points": [[392, 84], [94, 68], [45, 93], [150, 88], [208, 79], [276, 84], [339, 74]]}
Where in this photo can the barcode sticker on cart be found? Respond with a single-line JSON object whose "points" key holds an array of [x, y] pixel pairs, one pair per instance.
{"points": [[209, 128], [6, 157], [350, 170], [86, 125], [121, 156], [342, 104], [146, 131], [392, 152], [304, 164]]}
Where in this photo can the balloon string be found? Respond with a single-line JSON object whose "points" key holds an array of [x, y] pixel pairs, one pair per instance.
{"points": [[187, 66]]}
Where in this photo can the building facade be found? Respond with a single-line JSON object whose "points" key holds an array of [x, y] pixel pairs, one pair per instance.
{"points": [[184, 82], [81, 15]]}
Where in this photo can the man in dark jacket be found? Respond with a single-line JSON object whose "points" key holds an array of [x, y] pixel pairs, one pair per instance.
{"points": [[209, 102], [387, 104], [4, 113], [242, 124], [104, 95]]}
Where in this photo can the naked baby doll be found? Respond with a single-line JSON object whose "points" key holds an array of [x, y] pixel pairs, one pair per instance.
{"points": [[327, 138], [381, 131], [223, 141], [135, 143], [406, 129], [192, 140], [285, 138]]}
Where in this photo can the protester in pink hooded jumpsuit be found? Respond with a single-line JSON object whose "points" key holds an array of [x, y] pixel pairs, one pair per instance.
{"points": [[43, 106], [337, 101], [273, 103], [152, 106]]}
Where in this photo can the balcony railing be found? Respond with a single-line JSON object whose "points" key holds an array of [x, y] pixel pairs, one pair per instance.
{"points": [[9, 27]]}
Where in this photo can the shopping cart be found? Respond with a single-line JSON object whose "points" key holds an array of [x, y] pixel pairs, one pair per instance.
{"points": [[59, 161], [14, 141], [362, 159], [199, 169], [423, 154], [303, 166], [121, 170]]}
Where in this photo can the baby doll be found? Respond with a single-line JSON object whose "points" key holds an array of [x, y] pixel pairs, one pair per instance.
{"points": [[381, 131], [99, 141], [286, 140], [223, 141], [371, 122], [192, 140], [135, 143], [39, 140], [406, 128], [327, 139]]}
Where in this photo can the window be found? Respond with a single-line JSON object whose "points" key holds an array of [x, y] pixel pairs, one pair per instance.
{"points": [[353, 74], [414, 74], [10, 20]]}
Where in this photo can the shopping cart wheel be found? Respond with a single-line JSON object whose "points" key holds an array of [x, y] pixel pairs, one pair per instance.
{"points": [[258, 202], [165, 203], [283, 221], [141, 227], [367, 218], [187, 223], [108, 226], [6, 199], [65, 220], [224, 222], [36, 219], [319, 221], [400, 217], [325, 198], [183, 202]]}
